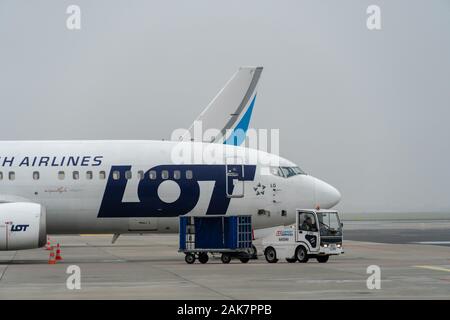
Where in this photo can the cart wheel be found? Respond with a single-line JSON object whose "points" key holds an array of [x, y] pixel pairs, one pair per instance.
{"points": [[271, 255], [301, 254], [322, 259], [226, 258], [189, 258], [291, 260], [254, 252], [244, 260], [203, 257]]}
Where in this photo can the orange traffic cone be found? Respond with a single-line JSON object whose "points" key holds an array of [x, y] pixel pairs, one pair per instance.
{"points": [[51, 258], [58, 252], [48, 246]]}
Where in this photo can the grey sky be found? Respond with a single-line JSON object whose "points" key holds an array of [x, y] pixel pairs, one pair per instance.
{"points": [[366, 111]]}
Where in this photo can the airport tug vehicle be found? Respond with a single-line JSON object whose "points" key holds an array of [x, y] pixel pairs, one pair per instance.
{"points": [[315, 234], [230, 236]]}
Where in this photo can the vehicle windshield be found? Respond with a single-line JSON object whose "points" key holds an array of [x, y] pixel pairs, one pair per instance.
{"points": [[329, 224]]}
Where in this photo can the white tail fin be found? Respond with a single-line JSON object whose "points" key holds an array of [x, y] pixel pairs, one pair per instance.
{"points": [[230, 110]]}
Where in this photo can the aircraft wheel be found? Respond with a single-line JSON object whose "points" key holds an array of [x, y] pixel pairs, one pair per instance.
{"points": [[322, 259], [189, 258], [203, 257], [226, 258], [301, 254], [271, 255]]}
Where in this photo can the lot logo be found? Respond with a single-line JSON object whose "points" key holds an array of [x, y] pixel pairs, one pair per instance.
{"points": [[19, 227], [150, 204]]}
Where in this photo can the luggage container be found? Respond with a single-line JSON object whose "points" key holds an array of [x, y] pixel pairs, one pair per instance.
{"points": [[230, 236]]}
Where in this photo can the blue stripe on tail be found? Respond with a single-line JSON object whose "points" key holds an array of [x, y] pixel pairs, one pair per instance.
{"points": [[239, 133]]}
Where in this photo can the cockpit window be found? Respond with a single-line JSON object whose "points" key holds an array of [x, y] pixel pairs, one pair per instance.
{"points": [[276, 171], [286, 172], [297, 170]]}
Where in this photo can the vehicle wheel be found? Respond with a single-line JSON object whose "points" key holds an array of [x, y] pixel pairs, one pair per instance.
{"points": [[291, 260], [226, 258], [203, 257], [271, 255], [254, 252], [244, 260], [322, 259], [189, 258], [301, 254]]}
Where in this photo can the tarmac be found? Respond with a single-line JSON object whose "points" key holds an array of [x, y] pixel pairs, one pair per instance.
{"points": [[413, 257]]}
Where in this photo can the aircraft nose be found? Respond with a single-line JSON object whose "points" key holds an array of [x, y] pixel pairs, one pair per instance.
{"points": [[327, 196]]}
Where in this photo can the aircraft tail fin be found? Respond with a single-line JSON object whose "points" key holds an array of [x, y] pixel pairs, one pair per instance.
{"points": [[229, 113]]}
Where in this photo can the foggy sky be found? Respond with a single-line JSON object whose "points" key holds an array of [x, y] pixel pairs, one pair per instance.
{"points": [[366, 111]]}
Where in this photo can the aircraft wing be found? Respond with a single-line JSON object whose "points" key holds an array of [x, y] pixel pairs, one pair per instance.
{"points": [[229, 113], [6, 198]]}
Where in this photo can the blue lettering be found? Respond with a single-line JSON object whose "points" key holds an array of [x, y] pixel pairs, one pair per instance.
{"points": [[44, 160], [85, 161], [25, 162], [72, 160], [97, 161], [8, 161]]}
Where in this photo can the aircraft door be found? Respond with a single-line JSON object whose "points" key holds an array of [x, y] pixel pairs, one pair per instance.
{"points": [[308, 230], [234, 180]]}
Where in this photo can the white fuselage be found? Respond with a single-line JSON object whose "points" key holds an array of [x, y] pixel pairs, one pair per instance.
{"points": [[141, 186]]}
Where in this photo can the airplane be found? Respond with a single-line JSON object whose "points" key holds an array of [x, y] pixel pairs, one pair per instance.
{"points": [[136, 186]]}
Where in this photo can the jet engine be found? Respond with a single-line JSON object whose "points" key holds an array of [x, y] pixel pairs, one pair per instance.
{"points": [[22, 226]]}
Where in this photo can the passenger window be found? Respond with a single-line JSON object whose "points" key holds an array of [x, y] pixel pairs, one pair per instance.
{"points": [[116, 175], [75, 175], [12, 175], [165, 174], [1, 175], [128, 175], [152, 174], [189, 174], [61, 175], [177, 174], [140, 174], [36, 175], [102, 175], [89, 175]]}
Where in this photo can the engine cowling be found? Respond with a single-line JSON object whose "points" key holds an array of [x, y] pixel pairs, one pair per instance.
{"points": [[22, 226]]}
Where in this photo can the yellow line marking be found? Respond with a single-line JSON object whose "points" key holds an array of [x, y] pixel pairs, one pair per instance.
{"points": [[433, 268]]}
